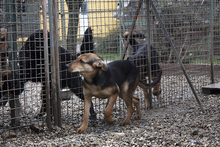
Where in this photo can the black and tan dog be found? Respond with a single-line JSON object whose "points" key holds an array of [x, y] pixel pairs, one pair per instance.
{"points": [[139, 57], [118, 78]]}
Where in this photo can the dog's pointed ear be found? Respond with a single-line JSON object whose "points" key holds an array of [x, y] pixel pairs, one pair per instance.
{"points": [[100, 64]]}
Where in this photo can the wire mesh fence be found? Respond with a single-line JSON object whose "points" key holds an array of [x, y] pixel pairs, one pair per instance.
{"points": [[101, 27]]}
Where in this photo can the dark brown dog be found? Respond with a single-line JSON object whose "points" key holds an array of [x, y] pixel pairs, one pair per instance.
{"points": [[139, 57], [118, 78]]}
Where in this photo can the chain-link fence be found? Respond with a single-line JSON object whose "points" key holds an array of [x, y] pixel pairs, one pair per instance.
{"points": [[36, 92]]}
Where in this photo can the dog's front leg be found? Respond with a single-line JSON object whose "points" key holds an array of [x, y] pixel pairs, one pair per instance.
{"points": [[108, 110], [87, 105]]}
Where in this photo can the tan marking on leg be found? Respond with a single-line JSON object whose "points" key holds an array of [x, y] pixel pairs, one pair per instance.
{"points": [[130, 110], [108, 110], [136, 102], [87, 105], [156, 89]]}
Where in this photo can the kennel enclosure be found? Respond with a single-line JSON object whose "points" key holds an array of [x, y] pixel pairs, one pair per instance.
{"points": [[192, 26]]}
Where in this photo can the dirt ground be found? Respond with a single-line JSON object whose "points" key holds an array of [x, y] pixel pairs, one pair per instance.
{"points": [[179, 124]]}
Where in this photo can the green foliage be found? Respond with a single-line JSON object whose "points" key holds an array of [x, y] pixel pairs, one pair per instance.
{"points": [[109, 56]]}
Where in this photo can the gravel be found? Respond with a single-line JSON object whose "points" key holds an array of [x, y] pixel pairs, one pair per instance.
{"points": [[179, 124]]}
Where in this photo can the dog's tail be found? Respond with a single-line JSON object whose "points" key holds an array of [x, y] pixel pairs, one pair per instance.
{"points": [[154, 83], [87, 43]]}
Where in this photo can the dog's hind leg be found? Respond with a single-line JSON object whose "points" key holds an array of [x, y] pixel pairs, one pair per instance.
{"points": [[92, 112], [136, 102], [128, 101], [127, 95], [147, 100], [109, 108], [156, 89], [146, 93]]}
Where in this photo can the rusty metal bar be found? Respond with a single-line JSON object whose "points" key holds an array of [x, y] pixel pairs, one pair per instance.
{"points": [[211, 41], [46, 64], [132, 28], [149, 50], [63, 23], [14, 100], [177, 56], [56, 55], [55, 87], [15, 110]]}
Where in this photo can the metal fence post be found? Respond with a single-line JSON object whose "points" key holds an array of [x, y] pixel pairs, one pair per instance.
{"points": [[211, 41], [149, 50], [14, 101], [46, 63], [52, 4], [63, 23]]}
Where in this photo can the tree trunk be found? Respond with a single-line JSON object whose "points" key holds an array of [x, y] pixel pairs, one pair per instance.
{"points": [[74, 7]]}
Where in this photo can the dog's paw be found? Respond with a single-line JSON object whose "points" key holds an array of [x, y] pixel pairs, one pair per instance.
{"points": [[137, 116], [123, 123], [156, 92], [109, 120], [160, 100], [81, 130], [147, 106]]}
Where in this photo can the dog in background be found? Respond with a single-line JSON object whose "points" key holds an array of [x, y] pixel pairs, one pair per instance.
{"points": [[139, 57], [87, 43], [31, 67], [118, 78], [3, 47]]}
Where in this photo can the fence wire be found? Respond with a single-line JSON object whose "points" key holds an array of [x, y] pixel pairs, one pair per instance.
{"points": [[23, 96]]}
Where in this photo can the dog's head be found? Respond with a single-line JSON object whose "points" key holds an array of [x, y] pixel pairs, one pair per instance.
{"points": [[3, 41], [87, 64]]}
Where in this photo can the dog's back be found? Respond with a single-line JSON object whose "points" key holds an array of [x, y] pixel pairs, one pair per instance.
{"points": [[123, 70]]}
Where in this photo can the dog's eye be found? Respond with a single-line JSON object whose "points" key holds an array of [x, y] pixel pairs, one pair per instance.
{"points": [[81, 61]]}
